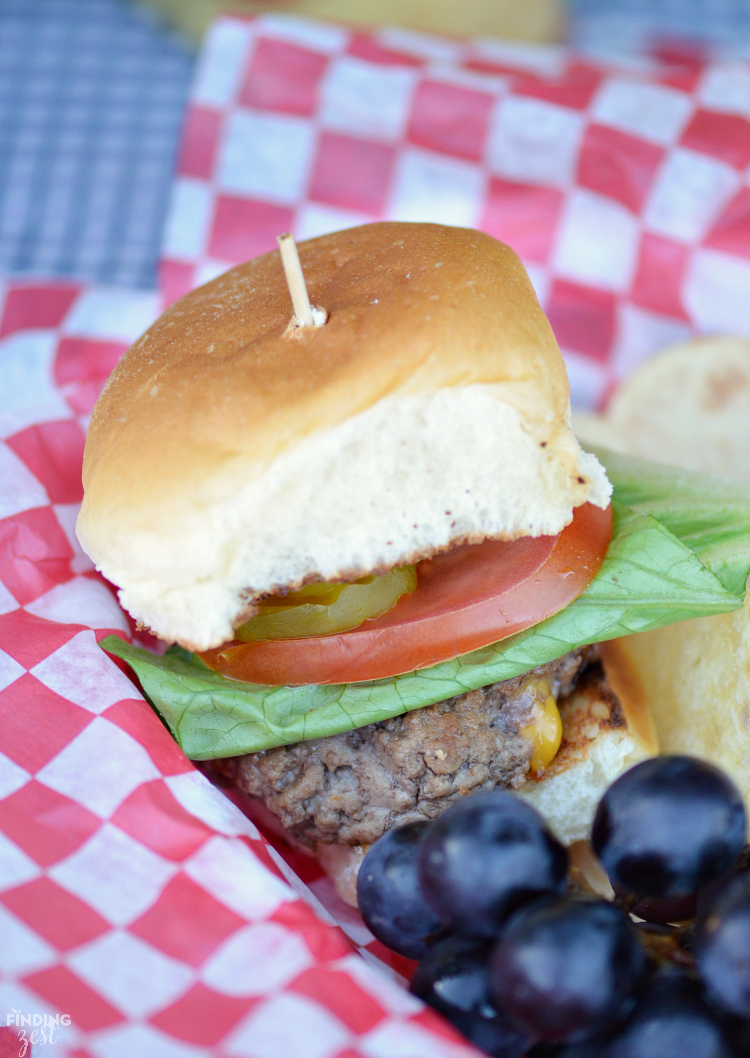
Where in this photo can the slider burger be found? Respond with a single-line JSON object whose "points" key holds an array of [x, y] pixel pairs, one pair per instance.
{"points": [[386, 566]]}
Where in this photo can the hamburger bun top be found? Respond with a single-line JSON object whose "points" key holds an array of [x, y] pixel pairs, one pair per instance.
{"points": [[231, 456]]}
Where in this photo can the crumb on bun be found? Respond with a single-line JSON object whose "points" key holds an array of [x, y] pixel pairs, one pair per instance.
{"points": [[230, 456]]}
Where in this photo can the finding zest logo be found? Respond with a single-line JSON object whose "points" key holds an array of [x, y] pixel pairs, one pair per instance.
{"points": [[22, 1031]]}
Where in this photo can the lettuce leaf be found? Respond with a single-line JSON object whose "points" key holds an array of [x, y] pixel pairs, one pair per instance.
{"points": [[710, 515], [649, 578]]}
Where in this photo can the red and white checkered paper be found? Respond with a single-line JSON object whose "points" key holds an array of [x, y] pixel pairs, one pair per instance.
{"points": [[625, 192], [134, 896]]}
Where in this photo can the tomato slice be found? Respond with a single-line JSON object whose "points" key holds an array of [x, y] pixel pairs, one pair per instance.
{"points": [[466, 598]]}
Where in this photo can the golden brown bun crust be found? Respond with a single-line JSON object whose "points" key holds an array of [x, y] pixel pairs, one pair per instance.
{"points": [[216, 375], [231, 457], [625, 680]]}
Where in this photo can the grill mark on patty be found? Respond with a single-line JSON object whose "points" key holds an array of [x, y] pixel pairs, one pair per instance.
{"points": [[351, 788]]}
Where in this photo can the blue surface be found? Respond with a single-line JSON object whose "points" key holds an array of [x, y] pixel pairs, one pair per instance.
{"points": [[617, 26], [91, 100]]}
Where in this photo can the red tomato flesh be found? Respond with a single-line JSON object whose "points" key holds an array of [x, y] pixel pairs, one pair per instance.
{"points": [[466, 598]]}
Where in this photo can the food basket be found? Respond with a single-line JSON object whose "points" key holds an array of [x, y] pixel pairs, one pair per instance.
{"points": [[142, 912]]}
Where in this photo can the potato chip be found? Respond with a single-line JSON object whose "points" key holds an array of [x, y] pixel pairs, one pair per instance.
{"points": [[688, 406], [697, 680]]}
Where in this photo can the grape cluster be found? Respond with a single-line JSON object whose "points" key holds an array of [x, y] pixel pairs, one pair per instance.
{"points": [[524, 963]]}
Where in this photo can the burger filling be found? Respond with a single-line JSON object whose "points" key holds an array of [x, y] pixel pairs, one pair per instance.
{"points": [[352, 787], [339, 760]]}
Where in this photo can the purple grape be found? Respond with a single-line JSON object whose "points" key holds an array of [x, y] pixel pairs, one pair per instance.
{"points": [[388, 893], [722, 946], [484, 857], [453, 978], [671, 1020], [566, 968], [669, 827], [678, 909]]}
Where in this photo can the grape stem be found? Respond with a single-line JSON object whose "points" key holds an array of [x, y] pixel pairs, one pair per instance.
{"points": [[305, 314], [668, 944]]}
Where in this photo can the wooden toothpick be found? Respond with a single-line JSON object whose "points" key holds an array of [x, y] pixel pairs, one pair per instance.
{"points": [[305, 314]]}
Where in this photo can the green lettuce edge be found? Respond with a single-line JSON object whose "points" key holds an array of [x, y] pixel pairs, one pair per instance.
{"points": [[709, 515]]}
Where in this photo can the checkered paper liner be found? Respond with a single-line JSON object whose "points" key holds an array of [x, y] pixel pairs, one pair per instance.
{"points": [[134, 896], [624, 191]]}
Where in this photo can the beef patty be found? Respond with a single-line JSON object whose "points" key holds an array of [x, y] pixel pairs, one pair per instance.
{"points": [[351, 788]]}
